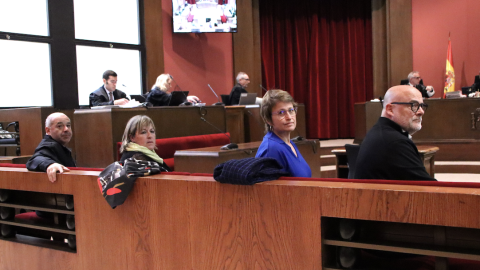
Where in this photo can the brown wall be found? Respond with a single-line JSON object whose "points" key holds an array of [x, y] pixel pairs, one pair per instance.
{"points": [[195, 60], [432, 21]]}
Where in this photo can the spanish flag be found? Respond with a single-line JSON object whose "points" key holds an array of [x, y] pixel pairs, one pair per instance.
{"points": [[449, 72]]}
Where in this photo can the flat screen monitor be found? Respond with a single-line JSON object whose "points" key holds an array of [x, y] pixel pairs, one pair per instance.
{"points": [[204, 16]]}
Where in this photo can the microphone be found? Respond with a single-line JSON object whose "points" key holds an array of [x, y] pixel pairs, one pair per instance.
{"points": [[218, 103], [227, 146], [263, 88], [186, 103]]}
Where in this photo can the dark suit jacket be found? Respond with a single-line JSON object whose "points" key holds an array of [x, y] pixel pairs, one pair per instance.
{"points": [[476, 84], [235, 94], [388, 153], [48, 152], [99, 97]]}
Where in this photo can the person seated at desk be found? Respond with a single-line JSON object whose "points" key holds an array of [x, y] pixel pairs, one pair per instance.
{"points": [[476, 84], [51, 155], [279, 112], [414, 81], [242, 82], [138, 141], [388, 152], [107, 94], [160, 93]]}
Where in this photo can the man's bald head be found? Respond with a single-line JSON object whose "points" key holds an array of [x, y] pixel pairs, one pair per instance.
{"points": [[59, 127], [402, 114]]}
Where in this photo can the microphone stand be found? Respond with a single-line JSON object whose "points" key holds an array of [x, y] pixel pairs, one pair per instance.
{"points": [[219, 103], [227, 146]]}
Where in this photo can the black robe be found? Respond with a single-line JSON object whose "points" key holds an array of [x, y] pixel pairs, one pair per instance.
{"points": [[388, 153]]}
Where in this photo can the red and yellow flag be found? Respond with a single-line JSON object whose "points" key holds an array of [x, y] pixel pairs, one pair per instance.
{"points": [[449, 72]]}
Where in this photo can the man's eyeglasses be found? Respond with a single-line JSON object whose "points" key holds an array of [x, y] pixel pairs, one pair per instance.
{"points": [[283, 113], [414, 105], [417, 77]]}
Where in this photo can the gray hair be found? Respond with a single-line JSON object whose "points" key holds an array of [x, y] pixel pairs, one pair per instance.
{"points": [[410, 75], [240, 76]]}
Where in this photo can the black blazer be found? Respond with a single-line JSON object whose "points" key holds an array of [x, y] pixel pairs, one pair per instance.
{"points": [[99, 97], [47, 152], [158, 97]]}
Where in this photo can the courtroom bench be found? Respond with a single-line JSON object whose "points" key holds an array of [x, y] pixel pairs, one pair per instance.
{"points": [[290, 223]]}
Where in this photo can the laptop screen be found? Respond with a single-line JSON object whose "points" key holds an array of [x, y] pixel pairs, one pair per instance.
{"points": [[178, 97]]}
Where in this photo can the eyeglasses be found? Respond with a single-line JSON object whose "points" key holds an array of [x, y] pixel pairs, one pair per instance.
{"points": [[414, 105], [246, 79], [283, 113], [417, 77]]}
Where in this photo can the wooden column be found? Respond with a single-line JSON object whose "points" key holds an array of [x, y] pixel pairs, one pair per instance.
{"points": [[153, 40], [246, 44], [392, 43]]}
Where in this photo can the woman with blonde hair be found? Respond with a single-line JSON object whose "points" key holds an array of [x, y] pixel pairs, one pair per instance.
{"points": [[279, 112], [160, 93], [138, 141]]}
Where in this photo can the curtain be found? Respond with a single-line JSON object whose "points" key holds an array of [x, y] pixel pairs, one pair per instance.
{"points": [[320, 51]]}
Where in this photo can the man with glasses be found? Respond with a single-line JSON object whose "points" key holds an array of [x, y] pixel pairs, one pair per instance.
{"points": [[107, 94], [414, 80], [387, 152], [242, 82]]}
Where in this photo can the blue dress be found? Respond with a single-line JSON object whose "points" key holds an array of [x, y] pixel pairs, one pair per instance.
{"points": [[272, 146]]}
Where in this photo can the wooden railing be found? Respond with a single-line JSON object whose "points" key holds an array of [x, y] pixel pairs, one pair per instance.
{"points": [[193, 222]]}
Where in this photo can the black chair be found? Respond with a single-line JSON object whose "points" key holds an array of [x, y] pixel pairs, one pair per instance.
{"points": [[352, 153], [226, 99]]}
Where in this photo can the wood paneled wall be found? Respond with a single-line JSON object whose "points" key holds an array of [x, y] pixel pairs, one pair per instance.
{"points": [[246, 44], [392, 43], [153, 40]]}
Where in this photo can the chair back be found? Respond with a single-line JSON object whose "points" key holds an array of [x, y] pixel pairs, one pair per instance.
{"points": [[226, 99], [352, 153]]}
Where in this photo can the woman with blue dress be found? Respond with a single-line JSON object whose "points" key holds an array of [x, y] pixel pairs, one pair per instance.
{"points": [[279, 112]]}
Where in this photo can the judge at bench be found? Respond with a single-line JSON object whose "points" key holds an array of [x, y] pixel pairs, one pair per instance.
{"points": [[107, 94], [51, 155], [414, 80], [387, 152], [242, 82]]}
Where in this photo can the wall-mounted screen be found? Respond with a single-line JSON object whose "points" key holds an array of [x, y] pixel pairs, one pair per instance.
{"points": [[200, 16]]}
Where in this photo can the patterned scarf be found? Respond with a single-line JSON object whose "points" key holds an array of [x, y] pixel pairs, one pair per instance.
{"points": [[133, 147]]}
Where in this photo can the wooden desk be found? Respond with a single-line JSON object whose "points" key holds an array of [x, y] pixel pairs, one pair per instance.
{"points": [[31, 123], [448, 123], [426, 153], [250, 126], [204, 160], [101, 129], [15, 159]]}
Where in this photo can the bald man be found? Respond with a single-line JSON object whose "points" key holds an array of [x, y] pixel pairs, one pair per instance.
{"points": [[51, 155], [387, 152]]}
